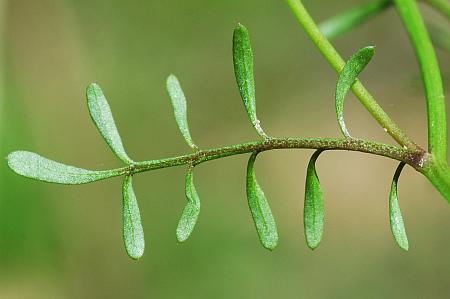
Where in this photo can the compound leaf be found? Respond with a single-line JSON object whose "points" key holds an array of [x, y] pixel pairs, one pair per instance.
{"points": [[179, 107], [313, 212], [191, 210], [260, 209], [353, 67], [133, 234], [34, 166], [243, 70], [395, 214], [103, 119]]}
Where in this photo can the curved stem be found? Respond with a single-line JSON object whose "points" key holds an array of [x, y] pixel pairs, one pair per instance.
{"points": [[431, 76], [336, 61], [416, 159]]}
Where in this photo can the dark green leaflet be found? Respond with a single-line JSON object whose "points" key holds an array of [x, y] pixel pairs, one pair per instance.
{"points": [[343, 22], [395, 214], [133, 234], [103, 119], [353, 67], [313, 211], [191, 210], [243, 70], [259, 207], [179, 107], [34, 166]]}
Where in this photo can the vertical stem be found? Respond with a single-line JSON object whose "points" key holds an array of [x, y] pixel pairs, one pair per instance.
{"points": [[336, 61], [431, 76]]}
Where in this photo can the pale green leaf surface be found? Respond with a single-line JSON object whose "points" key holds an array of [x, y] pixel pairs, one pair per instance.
{"points": [[313, 212], [133, 233], [179, 107], [344, 22], [395, 214], [260, 209], [191, 211], [34, 166], [347, 77], [243, 70], [103, 119]]}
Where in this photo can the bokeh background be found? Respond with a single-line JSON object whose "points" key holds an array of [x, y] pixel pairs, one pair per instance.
{"points": [[65, 241]]}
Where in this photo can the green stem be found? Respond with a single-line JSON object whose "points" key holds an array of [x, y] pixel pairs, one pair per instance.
{"points": [[442, 6], [431, 76], [336, 61], [439, 175], [416, 159]]}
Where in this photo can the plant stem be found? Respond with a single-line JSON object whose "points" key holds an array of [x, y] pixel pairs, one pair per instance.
{"points": [[442, 6], [431, 76], [336, 61], [414, 158]]}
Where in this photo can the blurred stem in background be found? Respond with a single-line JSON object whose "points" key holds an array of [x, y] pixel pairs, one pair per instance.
{"points": [[442, 6], [347, 20], [27, 234], [343, 22], [2, 55]]}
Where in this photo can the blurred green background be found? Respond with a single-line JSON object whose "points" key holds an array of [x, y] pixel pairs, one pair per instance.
{"points": [[65, 241]]}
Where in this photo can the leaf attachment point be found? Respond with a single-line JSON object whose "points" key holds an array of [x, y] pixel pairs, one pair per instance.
{"points": [[395, 214], [36, 167], [179, 107], [347, 77], [133, 233], [243, 70], [101, 115], [260, 209], [313, 211]]}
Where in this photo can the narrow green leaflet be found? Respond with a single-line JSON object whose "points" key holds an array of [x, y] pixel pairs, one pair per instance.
{"points": [[179, 107], [313, 211], [34, 166], [243, 70], [103, 119], [395, 215], [191, 210], [344, 22], [353, 67], [133, 234], [259, 207]]}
